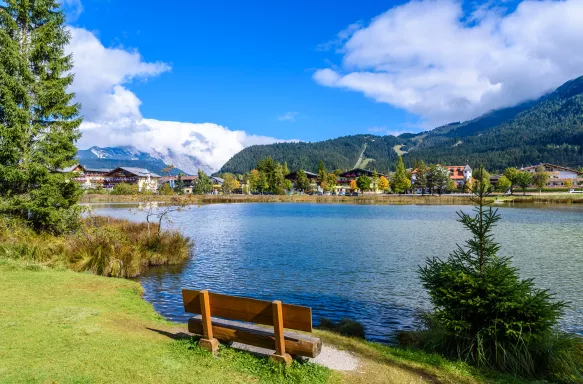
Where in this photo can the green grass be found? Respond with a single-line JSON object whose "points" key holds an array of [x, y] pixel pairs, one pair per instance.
{"points": [[67, 327]]}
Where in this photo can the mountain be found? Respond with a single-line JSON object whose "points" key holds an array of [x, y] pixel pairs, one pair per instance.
{"points": [[549, 129], [112, 157]]}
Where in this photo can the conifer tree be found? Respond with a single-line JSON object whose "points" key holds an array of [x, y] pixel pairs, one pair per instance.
{"points": [[39, 122], [401, 182], [484, 313]]}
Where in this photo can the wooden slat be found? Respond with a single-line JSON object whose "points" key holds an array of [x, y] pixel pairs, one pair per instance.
{"points": [[228, 331], [250, 310]]}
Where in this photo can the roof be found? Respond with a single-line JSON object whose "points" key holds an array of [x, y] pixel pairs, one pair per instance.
{"points": [[552, 166], [137, 171], [98, 170], [183, 177], [70, 169], [218, 179], [293, 175], [352, 172]]}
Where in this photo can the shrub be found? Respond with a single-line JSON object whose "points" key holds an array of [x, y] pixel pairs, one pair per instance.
{"points": [[103, 246], [486, 315], [345, 327], [125, 189]]}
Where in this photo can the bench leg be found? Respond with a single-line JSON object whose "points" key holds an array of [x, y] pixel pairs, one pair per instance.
{"points": [[285, 359], [279, 356], [211, 345]]}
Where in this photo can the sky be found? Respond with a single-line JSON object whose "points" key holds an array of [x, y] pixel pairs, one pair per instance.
{"points": [[209, 78]]}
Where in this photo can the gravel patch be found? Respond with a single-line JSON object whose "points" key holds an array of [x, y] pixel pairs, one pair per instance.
{"points": [[330, 357]]}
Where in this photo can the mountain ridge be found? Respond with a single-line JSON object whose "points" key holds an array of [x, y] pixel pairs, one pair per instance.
{"points": [[549, 129]]}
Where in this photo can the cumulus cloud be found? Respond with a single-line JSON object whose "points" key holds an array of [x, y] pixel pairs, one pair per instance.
{"points": [[73, 9], [431, 59], [288, 116], [112, 114]]}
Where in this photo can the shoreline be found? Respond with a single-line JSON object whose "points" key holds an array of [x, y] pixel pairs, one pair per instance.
{"points": [[505, 200]]}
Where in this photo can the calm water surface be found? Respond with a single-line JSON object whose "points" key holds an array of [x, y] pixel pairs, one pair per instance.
{"points": [[355, 261]]}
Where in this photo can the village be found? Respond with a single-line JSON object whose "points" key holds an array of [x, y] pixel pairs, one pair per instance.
{"points": [[457, 178]]}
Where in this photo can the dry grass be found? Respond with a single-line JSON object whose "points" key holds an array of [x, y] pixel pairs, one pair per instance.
{"points": [[102, 246]]}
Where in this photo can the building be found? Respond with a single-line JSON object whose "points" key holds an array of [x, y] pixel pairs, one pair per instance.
{"points": [[144, 179], [88, 178], [558, 174], [187, 180], [460, 174], [344, 179], [312, 178]]}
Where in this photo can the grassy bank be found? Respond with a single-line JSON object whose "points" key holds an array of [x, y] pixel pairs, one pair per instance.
{"points": [[545, 198], [102, 245], [67, 327]]}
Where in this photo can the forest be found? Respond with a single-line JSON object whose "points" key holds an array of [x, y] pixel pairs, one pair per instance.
{"points": [[549, 130]]}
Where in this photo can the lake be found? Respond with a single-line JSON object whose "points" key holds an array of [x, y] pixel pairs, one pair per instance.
{"points": [[354, 261]]}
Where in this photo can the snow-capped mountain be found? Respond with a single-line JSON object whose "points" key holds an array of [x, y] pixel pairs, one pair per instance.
{"points": [[155, 161]]}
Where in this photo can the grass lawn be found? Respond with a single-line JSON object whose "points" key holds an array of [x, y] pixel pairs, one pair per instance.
{"points": [[68, 327]]}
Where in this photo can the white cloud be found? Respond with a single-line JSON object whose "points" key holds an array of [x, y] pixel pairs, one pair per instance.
{"points": [[288, 116], [430, 59], [112, 114], [387, 131]]}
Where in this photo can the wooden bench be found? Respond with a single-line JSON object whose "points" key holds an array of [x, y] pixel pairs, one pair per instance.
{"points": [[227, 308]]}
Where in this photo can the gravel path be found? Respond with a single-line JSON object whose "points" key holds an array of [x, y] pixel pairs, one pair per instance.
{"points": [[330, 357]]}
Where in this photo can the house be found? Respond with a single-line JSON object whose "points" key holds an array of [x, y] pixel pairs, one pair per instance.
{"points": [[88, 178], [312, 178], [345, 178], [460, 174], [186, 179], [144, 179], [558, 174], [217, 184]]}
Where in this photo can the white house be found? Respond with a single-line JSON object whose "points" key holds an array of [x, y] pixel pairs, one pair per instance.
{"points": [[558, 175]]}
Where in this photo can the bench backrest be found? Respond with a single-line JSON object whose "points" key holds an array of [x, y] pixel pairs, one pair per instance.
{"points": [[250, 310]]}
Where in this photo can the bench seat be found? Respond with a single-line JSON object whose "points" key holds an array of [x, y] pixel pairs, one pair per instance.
{"points": [[298, 344]]}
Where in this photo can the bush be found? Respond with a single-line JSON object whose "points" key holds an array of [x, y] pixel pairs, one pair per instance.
{"points": [[103, 246], [345, 327], [125, 189], [486, 315]]}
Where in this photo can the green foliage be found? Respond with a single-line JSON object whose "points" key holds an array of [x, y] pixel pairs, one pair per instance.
{"points": [[202, 184], [547, 130], [126, 189], [401, 183], [302, 182], [503, 184], [165, 190], [363, 183], [437, 177], [486, 315], [269, 177], [230, 183], [39, 123], [179, 185], [345, 327], [421, 175], [524, 180], [540, 178]]}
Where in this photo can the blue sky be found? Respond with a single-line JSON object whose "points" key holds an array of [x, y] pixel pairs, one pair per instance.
{"points": [[209, 78], [244, 64]]}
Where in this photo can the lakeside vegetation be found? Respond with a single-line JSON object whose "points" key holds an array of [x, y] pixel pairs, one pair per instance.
{"points": [[99, 330], [100, 245]]}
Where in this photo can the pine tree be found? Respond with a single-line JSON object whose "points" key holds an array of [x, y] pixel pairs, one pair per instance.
{"points": [[322, 174], [401, 182], [483, 312], [39, 123]]}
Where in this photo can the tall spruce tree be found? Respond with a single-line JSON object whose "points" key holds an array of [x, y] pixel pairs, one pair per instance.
{"points": [[401, 183], [39, 122]]}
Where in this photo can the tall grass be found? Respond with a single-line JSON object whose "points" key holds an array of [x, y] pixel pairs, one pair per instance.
{"points": [[103, 246]]}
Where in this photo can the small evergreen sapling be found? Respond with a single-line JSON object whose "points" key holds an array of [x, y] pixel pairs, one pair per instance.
{"points": [[483, 312]]}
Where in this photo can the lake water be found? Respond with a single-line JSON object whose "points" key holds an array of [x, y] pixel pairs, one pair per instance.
{"points": [[354, 261]]}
